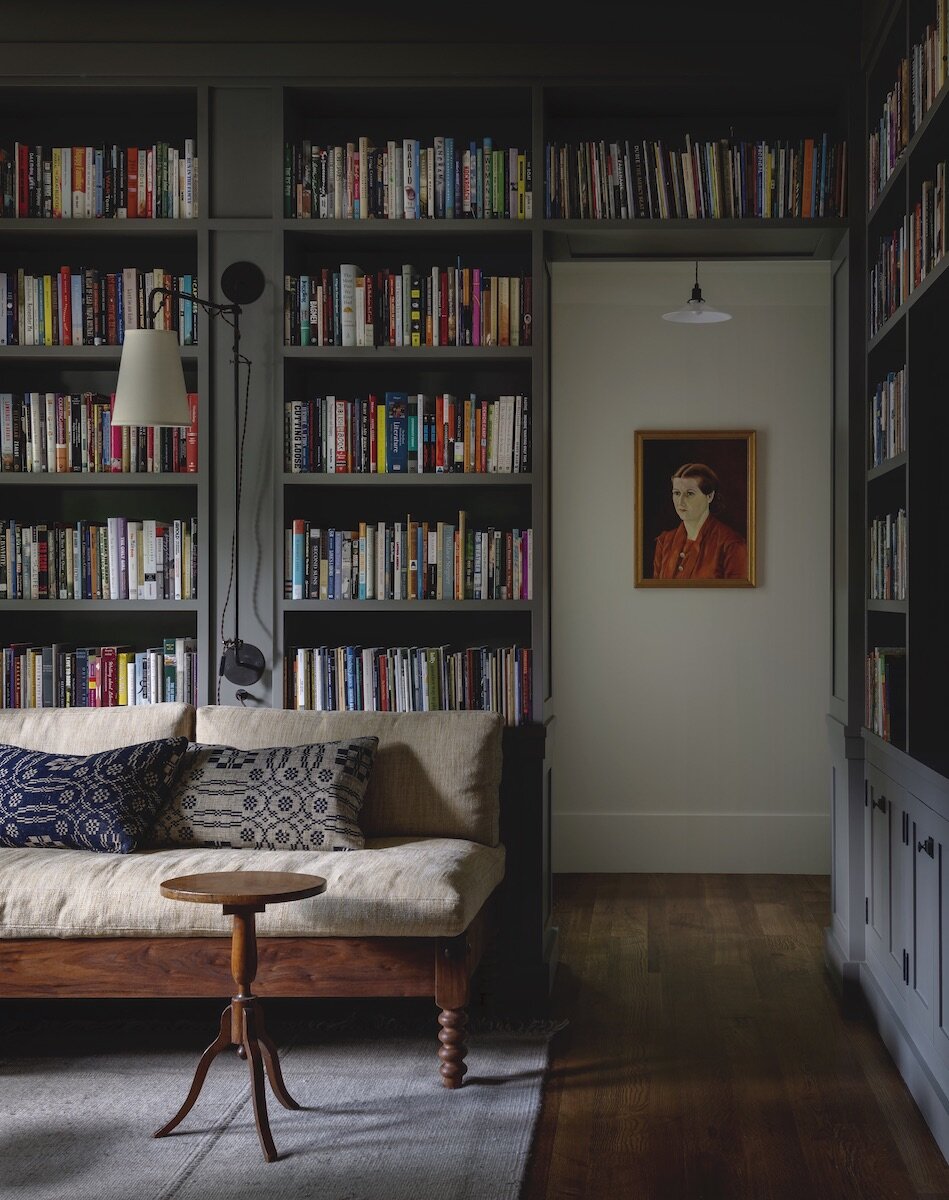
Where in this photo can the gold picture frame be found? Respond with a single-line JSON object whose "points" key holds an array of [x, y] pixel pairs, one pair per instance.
{"points": [[695, 508]]}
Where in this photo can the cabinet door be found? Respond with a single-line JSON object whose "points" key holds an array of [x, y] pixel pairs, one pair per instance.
{"points": [[888, 907], [940, 906], [926, 843]]}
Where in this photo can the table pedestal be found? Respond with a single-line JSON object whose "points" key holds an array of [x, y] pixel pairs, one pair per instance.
{"points": [[242, 1026]]}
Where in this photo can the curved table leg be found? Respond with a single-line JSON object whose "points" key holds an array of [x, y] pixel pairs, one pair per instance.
{"points": [[272, 1063], [251, 1045], [221, 1042]]}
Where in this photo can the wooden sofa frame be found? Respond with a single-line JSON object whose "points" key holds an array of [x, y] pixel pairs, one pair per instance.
{"points": [[198, 967]]}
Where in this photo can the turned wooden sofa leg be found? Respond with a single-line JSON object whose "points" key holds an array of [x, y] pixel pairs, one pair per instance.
{"points": [[452, 986]]}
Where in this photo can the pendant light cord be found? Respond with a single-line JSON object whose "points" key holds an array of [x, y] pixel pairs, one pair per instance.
{"points": [[226, 642]]}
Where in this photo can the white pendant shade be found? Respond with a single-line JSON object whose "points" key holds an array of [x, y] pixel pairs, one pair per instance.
{"points": [[151, 385], [696, 312]]}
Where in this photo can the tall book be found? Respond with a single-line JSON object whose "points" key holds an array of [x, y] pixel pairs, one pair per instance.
{"points": [[396, 410], [347, 303]]}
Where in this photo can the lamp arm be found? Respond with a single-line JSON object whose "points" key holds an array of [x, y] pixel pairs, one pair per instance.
{"points": [[210, 306], [214, 309]]}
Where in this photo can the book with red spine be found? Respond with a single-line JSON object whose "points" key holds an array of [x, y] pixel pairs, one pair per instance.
{"points": [[373, 434], [131, 182], [443, 308], [342, 436], [191, 436], [65, 305], [439, 432]]}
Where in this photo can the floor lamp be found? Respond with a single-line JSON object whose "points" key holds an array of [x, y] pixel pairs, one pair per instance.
{"points": [[151, 391]]}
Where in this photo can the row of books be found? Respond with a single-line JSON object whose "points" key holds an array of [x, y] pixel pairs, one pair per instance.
{"points": [[885, 693], [909, 253], [412, 679], [890, 137], [928, 63], [919, 79], [121, 559], [888, 557], [403, 306], [407, 433], [407, 180], [927, 225], [83, 306], [72, 432], [613, 180], [889, 277], [408, 560], [160, 180], [63, 675], [888, 418]]}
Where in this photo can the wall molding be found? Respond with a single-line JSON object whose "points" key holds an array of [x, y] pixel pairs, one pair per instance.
{"points": [[719, 843]]}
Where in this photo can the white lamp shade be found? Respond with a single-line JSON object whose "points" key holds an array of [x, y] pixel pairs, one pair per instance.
{"points": [[151, 385], [696, 312]]}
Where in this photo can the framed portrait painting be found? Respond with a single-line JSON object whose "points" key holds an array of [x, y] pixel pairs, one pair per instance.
{"points": [[695, 508]]}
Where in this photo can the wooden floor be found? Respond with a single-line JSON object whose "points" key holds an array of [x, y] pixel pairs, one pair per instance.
{"points": [[707, 1055]]}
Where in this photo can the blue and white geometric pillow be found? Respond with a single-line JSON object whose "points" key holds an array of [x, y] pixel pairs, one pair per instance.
{"points": [[103, 802], [279, 798]]}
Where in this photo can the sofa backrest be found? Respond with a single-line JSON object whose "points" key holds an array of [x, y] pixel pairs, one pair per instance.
{"points": [[89, 730], [435, 774]]}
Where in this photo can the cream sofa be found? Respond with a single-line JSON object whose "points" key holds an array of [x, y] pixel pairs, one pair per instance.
{"points": [[406, 916]]}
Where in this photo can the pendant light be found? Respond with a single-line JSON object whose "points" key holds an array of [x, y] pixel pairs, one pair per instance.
{"points": [[696, 311]]}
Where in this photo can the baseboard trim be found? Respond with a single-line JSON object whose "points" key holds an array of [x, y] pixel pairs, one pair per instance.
{"points": [[719, 843], [925, 1089], [844, 972]]}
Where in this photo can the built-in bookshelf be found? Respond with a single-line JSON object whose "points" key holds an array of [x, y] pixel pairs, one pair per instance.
{"points": [[404, 224], [894, 864], [103, 571], [602, 180], [908, 306], [410, 482], [108, 180]]}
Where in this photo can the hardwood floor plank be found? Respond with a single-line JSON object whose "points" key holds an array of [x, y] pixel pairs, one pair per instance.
{"points": [[707, 1055]]}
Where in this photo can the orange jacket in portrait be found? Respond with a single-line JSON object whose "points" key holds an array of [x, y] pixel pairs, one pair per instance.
{"points": [[717, 553]]}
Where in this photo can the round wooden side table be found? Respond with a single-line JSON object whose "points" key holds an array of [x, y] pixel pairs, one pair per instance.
{"points": [[242, 894]]}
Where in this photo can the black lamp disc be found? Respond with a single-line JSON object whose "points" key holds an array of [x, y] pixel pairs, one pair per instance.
{"points": [[242, 282], [243, 664]]}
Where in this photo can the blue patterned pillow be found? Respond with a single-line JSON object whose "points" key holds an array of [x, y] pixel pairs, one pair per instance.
{"points": [[279, 798], [104, 801]]}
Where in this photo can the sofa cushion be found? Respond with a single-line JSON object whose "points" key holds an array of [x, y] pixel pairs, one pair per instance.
{"points": [[103, 802], [396, 887], [434, 774], [88, 730], [274, 798]]}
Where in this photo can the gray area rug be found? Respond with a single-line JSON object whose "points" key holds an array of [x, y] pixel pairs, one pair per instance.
{"points": [[80, 1098]]}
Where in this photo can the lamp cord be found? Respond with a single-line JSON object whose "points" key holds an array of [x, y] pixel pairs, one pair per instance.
{"points": [[227, 642]]}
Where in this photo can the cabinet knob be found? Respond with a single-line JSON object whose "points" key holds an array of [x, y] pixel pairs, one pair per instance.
{"points": [[929, 846], [880, 803]]}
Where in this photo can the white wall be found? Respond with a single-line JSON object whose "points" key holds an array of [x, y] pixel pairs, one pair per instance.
{"points": [[736, 777]]}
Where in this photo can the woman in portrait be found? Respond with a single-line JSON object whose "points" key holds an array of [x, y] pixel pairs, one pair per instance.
{"points": [[701, 546]]}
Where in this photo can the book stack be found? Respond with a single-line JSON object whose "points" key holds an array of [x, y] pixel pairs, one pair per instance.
{"points": [[888, 557], [122, 559], [84, 306], [63, 182], [408, 560], [65, 675], [888, 418], [886, 693], [65, 433], [412, 679], [451, 305], [408, 433], [612, 180], [444, 179]]}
